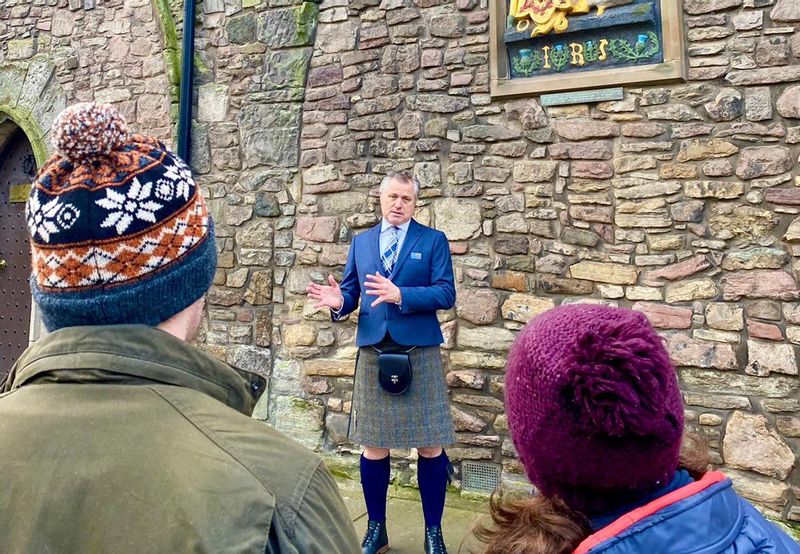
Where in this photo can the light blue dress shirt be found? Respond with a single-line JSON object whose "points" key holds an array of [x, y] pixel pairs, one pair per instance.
{"points": [[386, 230]]}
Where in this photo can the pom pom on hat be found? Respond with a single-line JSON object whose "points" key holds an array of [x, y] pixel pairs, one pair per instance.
{"points": [[88, 130], [616, 379]]}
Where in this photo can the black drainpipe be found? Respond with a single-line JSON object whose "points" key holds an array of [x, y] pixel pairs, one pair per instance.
{"points": [[187, 74]]}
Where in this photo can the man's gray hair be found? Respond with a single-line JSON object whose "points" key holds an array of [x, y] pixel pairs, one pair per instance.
{"points": [[404, 177]]}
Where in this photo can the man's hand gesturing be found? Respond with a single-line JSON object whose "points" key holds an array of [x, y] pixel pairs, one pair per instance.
{"points": [[383, 288], [326, 296]]}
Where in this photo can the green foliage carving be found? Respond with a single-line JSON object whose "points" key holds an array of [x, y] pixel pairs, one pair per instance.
{"points": [[591, 51], [646, 47], [527, 62], [559, 57]]}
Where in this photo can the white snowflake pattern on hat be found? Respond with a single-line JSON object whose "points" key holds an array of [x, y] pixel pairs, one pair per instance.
{"points": [[124, 208], [181, 176], [49, 218]]}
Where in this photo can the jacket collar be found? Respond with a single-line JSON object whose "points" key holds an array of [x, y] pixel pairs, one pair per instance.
{"points": [[132, 354], [676, 513], [678, 481]]}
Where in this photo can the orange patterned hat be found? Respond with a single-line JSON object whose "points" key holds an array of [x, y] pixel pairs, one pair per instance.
{"points": [[119, 230]]}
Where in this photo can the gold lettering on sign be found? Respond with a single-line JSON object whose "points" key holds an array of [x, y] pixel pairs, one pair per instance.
{"points": [[546, 51], [577, 54], [602, 45]]}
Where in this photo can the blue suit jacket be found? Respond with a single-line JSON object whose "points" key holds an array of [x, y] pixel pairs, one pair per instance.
{"points": [[423, 272]]}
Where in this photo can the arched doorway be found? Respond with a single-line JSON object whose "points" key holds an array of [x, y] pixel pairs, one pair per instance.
{"points": [[17, 170]]}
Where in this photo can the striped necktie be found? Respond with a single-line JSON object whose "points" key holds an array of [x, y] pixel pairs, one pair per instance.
{"points": [[389, 256]]}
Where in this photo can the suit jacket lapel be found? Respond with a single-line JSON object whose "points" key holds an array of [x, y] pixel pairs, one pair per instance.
{"points": [[375, 246], [412, 236]]}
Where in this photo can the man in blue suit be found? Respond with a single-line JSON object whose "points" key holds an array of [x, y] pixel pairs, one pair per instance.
{"points": [[401, 273]]}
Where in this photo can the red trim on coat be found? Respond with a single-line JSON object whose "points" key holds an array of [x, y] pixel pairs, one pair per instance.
{"points": [[624, 522]]}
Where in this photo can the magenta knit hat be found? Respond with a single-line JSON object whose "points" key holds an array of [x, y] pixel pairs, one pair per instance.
{"points": [[594, 406]]}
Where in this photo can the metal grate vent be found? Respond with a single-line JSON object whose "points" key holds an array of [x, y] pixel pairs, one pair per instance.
{"points": [[480, 476]]}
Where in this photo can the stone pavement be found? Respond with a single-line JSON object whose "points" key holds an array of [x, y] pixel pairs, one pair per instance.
{"points": [[404, 516], [405, 521]]}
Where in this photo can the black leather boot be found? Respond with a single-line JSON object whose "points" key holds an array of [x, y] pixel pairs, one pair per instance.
{"points": [[375, 539], [434, 541]]}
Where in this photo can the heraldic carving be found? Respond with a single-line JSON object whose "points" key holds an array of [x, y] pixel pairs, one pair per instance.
{"points": [[552, 15]]}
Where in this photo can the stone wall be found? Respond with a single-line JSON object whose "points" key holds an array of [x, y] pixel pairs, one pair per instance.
{"points": [[679, 201], [253, 66], [108, 53]]}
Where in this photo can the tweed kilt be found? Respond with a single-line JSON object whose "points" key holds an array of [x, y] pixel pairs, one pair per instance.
{"points": [[419, 417]]}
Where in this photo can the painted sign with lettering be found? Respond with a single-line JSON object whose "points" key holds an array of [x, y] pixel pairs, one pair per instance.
{"points": [[554, 45]]}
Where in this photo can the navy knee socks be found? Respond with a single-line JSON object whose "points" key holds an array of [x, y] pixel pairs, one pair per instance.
{"points": [[375, 484], [432, 474]]}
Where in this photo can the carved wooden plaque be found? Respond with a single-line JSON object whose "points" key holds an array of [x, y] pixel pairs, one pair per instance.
{"points": [[554, 45]]}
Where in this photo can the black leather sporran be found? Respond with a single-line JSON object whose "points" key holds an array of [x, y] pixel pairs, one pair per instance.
{"points": [[394, 371]]}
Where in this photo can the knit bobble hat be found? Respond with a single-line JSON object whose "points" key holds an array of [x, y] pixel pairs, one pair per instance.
{"points": [[119, 230], [593, 406]]}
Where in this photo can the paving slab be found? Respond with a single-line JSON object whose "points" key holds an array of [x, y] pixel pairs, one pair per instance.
{"points": [[405, 522]]}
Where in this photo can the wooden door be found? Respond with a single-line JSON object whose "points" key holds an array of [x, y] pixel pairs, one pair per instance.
{"points": [[17, 170]]}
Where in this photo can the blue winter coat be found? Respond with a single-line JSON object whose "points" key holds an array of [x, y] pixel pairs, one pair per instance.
{"points": [[705, 517]]}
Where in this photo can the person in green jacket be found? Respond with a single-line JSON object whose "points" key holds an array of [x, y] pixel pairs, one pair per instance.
{"points": [[116, 435]]}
